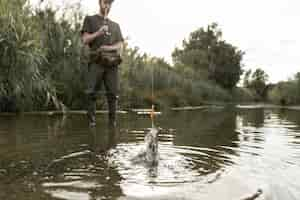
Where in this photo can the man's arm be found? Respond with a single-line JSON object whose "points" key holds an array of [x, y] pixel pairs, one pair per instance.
{"points": [[118, 46], [89, 37], [117, 43]]}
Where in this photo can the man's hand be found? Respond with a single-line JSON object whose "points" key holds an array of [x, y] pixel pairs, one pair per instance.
{"points": [[89, 37], [106, 48], [115, 47], [103, 29]]}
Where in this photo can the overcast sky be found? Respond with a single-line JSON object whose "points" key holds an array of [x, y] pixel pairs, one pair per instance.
{"points": [[266, 30]]}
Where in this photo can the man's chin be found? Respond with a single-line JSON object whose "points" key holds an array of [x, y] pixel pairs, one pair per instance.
{"points": [[103, 10]]}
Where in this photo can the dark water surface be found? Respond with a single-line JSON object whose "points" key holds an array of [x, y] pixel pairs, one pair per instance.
{"points": [[231, 154]]}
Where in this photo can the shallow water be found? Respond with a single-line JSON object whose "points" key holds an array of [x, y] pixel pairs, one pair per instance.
{"points": [[230, 153]]}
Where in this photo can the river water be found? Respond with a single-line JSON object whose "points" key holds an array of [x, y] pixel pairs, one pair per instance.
{"points": [[232, 153]]}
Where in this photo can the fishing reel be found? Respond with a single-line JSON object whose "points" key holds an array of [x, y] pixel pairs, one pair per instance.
{"points": [[107, 36], [106, 32]]}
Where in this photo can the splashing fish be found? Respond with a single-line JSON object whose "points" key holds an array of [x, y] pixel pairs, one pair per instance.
{"points": [[149, 155], [151, 141]]}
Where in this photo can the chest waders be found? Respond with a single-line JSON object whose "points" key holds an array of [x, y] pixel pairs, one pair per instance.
{"points": [[97, 75]]}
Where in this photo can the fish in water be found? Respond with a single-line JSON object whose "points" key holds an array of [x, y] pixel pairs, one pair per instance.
{"points": [[150, 154], [151, 141]]}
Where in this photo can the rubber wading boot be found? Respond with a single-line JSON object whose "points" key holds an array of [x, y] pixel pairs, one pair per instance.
{"points": [[91, 119], [91, 110], [112, 123], [112, 109]]}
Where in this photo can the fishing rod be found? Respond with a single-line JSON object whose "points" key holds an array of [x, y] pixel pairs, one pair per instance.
{"points": [[152, 112], [105, 21]]}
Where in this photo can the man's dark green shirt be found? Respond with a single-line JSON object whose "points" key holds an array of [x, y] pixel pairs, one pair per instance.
{"points": [[91, 24]]}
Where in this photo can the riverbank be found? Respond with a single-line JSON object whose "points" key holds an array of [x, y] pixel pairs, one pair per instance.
{"points": [[183, 108]]}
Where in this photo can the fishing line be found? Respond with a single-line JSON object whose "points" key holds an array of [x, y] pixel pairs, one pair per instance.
{"points": [[152, 98]]}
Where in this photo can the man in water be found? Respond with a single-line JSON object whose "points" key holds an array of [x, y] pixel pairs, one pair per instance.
{"points": [[102, 35]]}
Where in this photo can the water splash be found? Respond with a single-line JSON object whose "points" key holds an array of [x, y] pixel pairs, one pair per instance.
{"points": [[149, 154]]}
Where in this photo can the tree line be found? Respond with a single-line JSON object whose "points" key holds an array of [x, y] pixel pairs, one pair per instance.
{"points": [[43, 66]]}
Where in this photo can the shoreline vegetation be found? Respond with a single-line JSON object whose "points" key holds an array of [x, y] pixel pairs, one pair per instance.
{"points": [[146, 111], [43, 65]]}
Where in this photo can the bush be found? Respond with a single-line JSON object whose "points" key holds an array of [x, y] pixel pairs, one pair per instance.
{"points": [[244, 95], [21, 56], [285, 93]]}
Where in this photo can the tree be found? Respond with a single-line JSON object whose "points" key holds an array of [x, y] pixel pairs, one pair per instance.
{"points": [[210, 56], [227, 68], [246, 81], [297, 79], [258, 82], [195, 51]]}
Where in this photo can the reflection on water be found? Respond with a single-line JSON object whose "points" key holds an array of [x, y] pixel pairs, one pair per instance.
{"points": [[86, 174], [243, 153]]}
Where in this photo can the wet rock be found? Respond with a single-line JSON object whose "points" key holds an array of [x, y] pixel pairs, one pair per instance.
{"points": [[254, 196], [3, 173], [35, 173], [30, 187], [8, 104], [12, 165]]}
